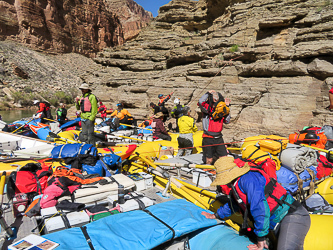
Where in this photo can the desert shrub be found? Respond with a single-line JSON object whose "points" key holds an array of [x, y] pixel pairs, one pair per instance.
{"points": [[234, 48]]}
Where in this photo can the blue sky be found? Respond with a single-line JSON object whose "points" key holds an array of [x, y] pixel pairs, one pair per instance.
{"points": [[152, 5]]}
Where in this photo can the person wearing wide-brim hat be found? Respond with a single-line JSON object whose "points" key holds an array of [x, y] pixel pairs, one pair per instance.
{"points": [[159, 130], [253, 192], [87, 104]]}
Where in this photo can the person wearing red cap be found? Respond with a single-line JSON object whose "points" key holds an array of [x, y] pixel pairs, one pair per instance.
{"points": [[102, 110]]}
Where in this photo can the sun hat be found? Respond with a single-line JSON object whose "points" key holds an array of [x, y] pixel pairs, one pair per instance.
{"points": [[227, 170], [158, 115], [36, 101], [176, 101], [84, 86]]}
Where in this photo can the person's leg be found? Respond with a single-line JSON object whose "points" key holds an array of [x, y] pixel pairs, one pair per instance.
{"points": [[91, 136], [293, 229], [207, 150], [164, 137], [83, 137], [220, 148]]}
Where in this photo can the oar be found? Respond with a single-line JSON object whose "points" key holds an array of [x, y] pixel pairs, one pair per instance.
{"points": [[179, 165], [2, 185], [23, 125], [315, 148], [132, 126]]}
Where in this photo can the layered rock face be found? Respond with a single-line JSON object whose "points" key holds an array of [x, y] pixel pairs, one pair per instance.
{"points": [[273, 59], [131, 15], [64, 26]]}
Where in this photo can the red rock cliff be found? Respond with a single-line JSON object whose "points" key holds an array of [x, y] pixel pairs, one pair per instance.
{"points": [[85, 26]]}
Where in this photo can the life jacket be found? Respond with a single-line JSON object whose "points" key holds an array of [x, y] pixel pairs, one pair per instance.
{"points": [[85, 104], [74, 175], [221, 110], [324, 167], [46, 112], [178, 110], [275, 194]]}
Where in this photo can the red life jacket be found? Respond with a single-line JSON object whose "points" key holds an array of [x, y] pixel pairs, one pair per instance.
{"points": [[85, 104], [324, 167], [274, 192]]}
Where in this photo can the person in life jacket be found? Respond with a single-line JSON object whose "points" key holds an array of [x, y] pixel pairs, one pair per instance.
{"points": [[254, 193], [123, 115], [87, 104], [104, 111], [187, 127], [161, 103], [44, 110], [177, 111], [212, 139], [158, 127], [145, 123], [61, 114]]}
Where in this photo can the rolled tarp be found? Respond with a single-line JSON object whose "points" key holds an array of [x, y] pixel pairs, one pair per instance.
{"points": [[298, 158]]}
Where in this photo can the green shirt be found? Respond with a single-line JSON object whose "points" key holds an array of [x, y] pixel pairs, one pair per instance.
{"points": [[92, 114]]}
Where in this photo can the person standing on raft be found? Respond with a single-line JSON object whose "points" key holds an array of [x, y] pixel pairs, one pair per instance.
{"points": [[87, 104], [254, 193], [44, 111], [187, 127], [161, 102], [215, 110]]}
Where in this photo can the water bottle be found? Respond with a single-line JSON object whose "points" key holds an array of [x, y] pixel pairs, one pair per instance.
{"points": [[121, 194]]}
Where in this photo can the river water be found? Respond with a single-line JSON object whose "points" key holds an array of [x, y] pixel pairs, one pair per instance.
{"points": [[15, 115]]}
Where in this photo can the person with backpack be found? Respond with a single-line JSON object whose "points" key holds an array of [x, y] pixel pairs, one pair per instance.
{"points": [[44, 111], [177, 111], [258, 196], [87, 104], [61, 114], [123, 115], [187, 127], [216, 112]]}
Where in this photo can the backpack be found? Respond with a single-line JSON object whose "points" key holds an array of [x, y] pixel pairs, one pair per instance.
{"points": [[221, 110]]}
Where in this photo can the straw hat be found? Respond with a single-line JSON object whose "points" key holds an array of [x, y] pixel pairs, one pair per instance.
{"points": [[227, 170], [158, 115]]}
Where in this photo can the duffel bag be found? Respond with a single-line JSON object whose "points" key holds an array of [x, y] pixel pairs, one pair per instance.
{"points": [[73, 150]]}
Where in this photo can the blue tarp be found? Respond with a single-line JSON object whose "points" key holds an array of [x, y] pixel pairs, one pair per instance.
{"points": [[147, 130], [136, 229], [70, 123], [219, 237]]}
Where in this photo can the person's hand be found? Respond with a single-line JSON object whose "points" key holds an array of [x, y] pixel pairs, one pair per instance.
{"points": [[211, 91], [227, 101], [77, 99], [259, 246], [208, 215], [171, 93]]}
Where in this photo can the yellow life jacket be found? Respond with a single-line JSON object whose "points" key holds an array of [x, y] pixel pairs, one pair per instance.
{"points": [[221, 110]]}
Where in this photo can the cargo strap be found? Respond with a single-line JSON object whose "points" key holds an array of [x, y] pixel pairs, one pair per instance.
{"points": [[172, 230], [64, 219], [86, 235], [254, 159]]}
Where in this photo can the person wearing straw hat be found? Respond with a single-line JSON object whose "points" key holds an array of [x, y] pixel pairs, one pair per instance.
{"points": [[87, 104], [187, 127], [253, 192], [159, 130], [212, 139]]}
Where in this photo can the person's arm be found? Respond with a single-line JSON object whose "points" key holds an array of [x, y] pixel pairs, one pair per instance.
{"points": [[77, 103], [94, 109], [195, 128], [253, 186], [114, 113], [204, 106], [223, 212]]}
